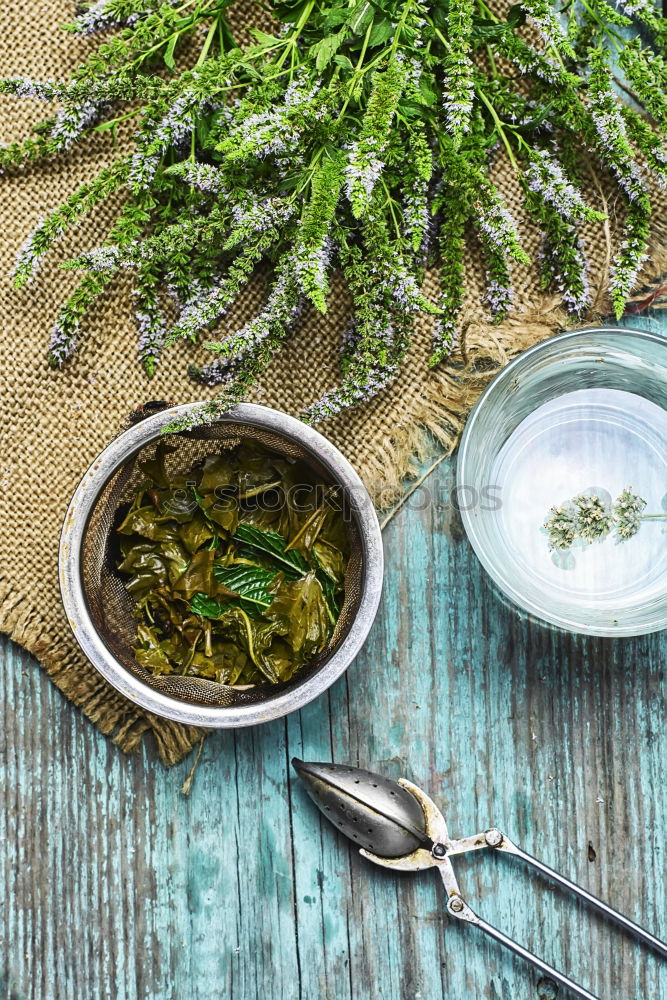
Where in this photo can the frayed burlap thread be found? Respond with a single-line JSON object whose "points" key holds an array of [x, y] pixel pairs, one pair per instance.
{"points": [[55, 423]]}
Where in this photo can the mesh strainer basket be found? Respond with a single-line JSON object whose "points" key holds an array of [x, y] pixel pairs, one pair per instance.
{"points": [[99, 608]]}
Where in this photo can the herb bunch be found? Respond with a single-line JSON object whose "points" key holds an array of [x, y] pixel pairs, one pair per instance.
{"points": [[589, 518], [359, 136]]}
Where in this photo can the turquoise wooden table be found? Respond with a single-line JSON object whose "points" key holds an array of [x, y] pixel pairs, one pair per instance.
{"points": [[116, 885]]}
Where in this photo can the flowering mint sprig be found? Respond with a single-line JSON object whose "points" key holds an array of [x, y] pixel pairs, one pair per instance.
{"points": [[416, 211], [358, 136], [149, 317], [612, 137], [312, 257], [274, 130], [47, 231], [458, 69], [646, 13], [63, 340], [653, 145], [382, 321], [497, 232], [245, 352], [648, 75], [205, 177], [546, 178], [456, 194], [555, 202], [541, 14], [618, 155], [588, 518], [563, 263], [102, 15], [365, 162]]}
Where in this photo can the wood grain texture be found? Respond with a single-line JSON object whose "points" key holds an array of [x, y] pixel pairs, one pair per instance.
{"points": [[117, 886]]}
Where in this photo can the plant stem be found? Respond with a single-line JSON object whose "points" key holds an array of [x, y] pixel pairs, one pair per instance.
{"points": [[399, 28], [499, 126], [390, 202], [298, 28], [207, 44], [492, 61], [612, 35], [357, 72]]}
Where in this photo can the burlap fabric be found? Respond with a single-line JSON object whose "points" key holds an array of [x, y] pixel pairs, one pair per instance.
{"points": [[54, 424]]}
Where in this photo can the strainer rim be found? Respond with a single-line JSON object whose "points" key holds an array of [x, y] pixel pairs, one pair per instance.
{"points": [[106, 464]]}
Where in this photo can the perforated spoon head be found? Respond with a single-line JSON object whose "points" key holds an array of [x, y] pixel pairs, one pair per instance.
{"points": [[376, 813]]}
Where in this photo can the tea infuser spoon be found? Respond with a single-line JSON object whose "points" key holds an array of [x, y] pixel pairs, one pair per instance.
{"points": [[398, 826]]}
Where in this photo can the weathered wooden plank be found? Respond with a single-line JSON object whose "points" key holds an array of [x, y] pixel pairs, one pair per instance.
{"points": [[116, 885]]}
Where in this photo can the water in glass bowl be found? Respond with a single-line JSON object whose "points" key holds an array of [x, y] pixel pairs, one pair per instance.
{"points": [[591, 440]]}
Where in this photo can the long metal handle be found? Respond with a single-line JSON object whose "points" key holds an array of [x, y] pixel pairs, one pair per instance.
{"points": [[506, 845], [458, 908]]}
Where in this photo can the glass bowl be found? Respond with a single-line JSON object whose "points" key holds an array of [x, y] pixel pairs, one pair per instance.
{"points": [[584, 413]]}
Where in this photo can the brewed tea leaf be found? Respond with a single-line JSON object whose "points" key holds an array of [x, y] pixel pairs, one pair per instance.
{"points": [[301, 605], [222, 510], [206, 606], [274, 545], [198, 575], [155, 467], [195, 532], [146, 569], [146, 521], [249, 582]]}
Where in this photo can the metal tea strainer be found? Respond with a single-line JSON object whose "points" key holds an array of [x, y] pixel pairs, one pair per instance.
{"points": [[101, 611], [398, 826]]}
